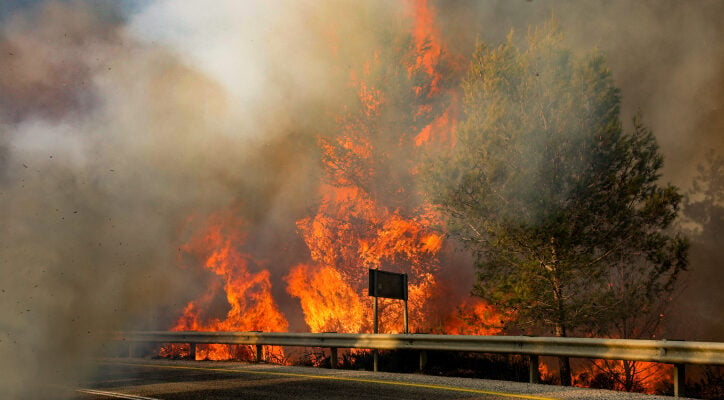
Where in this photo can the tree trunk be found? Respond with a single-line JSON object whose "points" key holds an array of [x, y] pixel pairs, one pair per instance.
{"points": [[628, 372], [564, 363], [564, 368]]}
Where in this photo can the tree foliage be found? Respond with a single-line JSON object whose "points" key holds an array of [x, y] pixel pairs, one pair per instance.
{"points": [[704, 204], [562, 208]]}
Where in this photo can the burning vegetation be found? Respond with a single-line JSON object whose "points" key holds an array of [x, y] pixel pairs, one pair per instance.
{"points": [[560, 207], [371, 213], [238, 279]]}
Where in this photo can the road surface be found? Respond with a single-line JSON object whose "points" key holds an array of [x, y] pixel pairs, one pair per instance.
{"points": [[144, 379]]}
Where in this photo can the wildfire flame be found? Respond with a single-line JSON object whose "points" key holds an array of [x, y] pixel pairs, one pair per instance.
{"points": [[427, 43], [367, 220], [251, 306], [632, 376], [328, 302], [475, 317], [370, 215]]}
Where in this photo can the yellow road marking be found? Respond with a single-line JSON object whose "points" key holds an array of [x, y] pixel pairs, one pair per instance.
{"points": [[114, 394], [342, 378]]}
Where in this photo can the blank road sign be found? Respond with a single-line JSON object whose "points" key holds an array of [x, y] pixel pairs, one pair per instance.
{"points": [[388, 285]]}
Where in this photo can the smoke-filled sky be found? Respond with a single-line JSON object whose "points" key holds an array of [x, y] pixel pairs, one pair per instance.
{"points": [[122, 123]]}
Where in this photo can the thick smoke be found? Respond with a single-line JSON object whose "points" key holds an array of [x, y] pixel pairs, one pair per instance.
{"points": [[118, 126], [667, 58]]}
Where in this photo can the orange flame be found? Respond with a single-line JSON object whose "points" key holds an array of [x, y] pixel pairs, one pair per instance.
{"points": [[638, 376], [427, 43], [328, 302], [475, 317], [370, 216], [251, 306], [632, 376], [429, 55], [367, 220]]}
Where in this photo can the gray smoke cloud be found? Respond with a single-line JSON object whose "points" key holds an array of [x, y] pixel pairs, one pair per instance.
{"points": [[117, 125], [667, 57]]}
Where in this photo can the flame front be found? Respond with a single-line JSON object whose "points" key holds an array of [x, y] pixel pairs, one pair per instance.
{"points": [[251, 306], [630, 376], [371, 214], [329, 304]]}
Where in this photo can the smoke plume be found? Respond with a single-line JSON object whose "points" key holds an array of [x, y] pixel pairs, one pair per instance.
{"points": [[117, 128], [668, 61]]}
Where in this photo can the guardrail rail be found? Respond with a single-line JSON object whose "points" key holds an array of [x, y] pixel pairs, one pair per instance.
{"points": [[678, 353]]}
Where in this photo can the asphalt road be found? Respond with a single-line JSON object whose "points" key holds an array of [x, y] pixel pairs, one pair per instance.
{"points": [[185, 380]]}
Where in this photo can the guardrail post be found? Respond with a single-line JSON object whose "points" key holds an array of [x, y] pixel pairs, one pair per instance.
{"points": [[333, 357], [259, 353], [423, 360], [375, 360], [192, 351], [534, 372], [679, 380]]}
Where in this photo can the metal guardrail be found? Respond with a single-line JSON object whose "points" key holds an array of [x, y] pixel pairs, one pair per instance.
{"points": [[678, 353], [662, 351]]}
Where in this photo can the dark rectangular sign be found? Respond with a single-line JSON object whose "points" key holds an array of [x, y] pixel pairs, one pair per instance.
{"points": [[388, 285]]}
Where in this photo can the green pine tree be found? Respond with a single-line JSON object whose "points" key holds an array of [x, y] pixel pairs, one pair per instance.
{"points": [[562, 208]]}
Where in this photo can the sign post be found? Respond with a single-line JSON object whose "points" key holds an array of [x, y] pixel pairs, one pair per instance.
{"points": [[389, 285]]}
